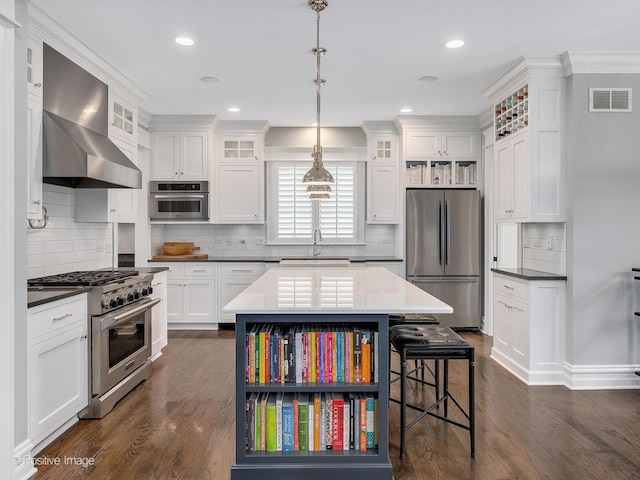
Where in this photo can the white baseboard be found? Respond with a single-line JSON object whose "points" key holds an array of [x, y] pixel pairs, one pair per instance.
{"points": [[601, 377], [23, 461], [538, 377]]}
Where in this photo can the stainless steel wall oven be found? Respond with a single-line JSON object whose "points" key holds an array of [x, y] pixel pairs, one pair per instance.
{"points": [[177, 201]]}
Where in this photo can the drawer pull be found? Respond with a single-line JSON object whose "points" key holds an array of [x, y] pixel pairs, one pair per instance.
{"points": [[202, 270], [156, 284], [508, 287], [66, 315], [241, 271]]}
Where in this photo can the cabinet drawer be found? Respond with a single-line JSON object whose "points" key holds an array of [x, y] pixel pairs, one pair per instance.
{"points": [[175, 269], [200, 270], [241, 269], [60, 314], [511, 287]]}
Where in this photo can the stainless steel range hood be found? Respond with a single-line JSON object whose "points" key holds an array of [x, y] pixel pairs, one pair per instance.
{"points": [[76, 150]]}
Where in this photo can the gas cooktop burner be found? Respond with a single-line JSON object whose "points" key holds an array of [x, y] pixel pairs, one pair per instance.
{"points": [[86, 278]]}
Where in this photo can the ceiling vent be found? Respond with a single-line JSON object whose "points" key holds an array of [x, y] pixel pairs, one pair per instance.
{"points": [[609, 99]]}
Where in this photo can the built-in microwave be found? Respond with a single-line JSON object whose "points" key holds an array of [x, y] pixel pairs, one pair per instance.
{"points": [[179, 201]]}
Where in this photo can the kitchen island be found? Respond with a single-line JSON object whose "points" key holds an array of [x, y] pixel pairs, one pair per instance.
{"points": [[310, 306]]}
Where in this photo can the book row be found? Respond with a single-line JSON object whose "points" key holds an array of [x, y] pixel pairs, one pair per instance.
{"points": [[311, 422], [310, 354]]}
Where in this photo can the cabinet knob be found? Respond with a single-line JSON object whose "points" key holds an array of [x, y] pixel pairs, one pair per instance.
{"points": [[113, 210], [256, 215], [444, 152], [256, 158], [37, 202], [439, 153], [181, 173], [374, 157], [84, 337], [37, 85], [176, 173]]}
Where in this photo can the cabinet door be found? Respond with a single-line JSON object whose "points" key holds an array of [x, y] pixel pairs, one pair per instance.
{"points": [[123, 202], [383, 149], [458, 144], [502, 331], [239, 194], [199, 301], [503, 181], [243, 149], [34, 155], [520, 332], [159, 314], [34, 67], [230, 288], [422, 144], [174, 300], [123, 119], [520, 159], [165, 155], [383, 194], [58, 381], [194, 155]]}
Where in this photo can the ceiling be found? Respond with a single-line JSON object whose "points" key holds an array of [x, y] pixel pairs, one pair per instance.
{"points": [[377, 50]]}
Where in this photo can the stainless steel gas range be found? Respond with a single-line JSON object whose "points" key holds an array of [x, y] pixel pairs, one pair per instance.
{"points": [[120, 316]]}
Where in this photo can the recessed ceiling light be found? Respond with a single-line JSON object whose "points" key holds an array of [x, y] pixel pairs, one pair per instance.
{"points": [[233, 109], [406, 110], [210, 79], [454, 44], [429, 78], [186, 41]]}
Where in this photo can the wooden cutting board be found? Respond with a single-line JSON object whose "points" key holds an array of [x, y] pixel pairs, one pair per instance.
{"points": [[200, 256]]}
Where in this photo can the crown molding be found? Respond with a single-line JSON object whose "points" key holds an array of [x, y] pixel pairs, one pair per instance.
{"points": [[521, 71], [239, 127], [379, 128], [181, 122], [437, 122], [600, 62]]}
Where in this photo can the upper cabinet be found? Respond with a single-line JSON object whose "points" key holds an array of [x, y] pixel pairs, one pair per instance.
{"points": [[240, 173], [34, 67], [529, 158], [123, 119], [440, 151], [34, 128], [181, 147], [382, 173]]}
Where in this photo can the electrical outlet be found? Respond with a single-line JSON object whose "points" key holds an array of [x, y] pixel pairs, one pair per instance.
{"points": [[107, 247], [549, 242], [386, 240], [535, 242], [242, 241], [525, 242]]}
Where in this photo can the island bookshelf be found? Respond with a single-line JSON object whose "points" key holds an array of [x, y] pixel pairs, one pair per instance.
{"points": [[372, 464]]}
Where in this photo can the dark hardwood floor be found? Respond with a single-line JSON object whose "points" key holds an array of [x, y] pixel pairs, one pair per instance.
{"points": [[180, 424]]}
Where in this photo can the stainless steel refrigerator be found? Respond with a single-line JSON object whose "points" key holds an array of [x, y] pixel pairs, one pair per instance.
{"points": [[444, 250]]}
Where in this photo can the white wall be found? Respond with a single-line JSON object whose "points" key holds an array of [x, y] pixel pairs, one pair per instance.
{"points": [[603, 231], [63, 245]]}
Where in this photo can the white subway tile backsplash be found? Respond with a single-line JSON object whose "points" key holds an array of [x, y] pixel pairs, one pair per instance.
{"points": [[536, 255], [56, 246]]}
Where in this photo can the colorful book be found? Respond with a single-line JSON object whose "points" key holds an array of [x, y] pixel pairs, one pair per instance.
{"points": [[337, 424], [311, 429], [363, 423], [357, 355], [252, 354], [322, 441], [365, 346], [370, 424], [267, 354], [351, 426], [296, 421], [345, 422], [312, 356], [298, 353], [334, 355], [261, 351], [270, 423], [279, 402], [329, 421], [317, 411], [287, 423], [321, 357], [251, 422], [303, 421], [339, 358], [375, 357], [356, 421], [263, 422]]}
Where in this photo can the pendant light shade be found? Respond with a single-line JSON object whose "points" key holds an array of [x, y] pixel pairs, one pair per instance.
{"points": [[318, 189], [318, 175], [319, 196]]}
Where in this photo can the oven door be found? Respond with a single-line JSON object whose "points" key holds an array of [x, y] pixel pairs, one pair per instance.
{"points": [[179, 206], [121, 342]]}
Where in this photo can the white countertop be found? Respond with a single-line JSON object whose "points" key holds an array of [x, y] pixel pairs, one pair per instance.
{"points": [[333, 290]]}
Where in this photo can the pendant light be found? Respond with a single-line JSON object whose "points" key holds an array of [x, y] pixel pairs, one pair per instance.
{"points": [[318, 175]]}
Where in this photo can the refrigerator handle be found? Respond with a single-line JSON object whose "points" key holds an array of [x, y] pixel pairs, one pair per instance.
{"points": [[447, 232], [440, 233]]}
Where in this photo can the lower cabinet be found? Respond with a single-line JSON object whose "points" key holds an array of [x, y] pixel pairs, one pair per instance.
{"points": [[393, 267], [58, 369], [191, 296], [159, 315], [528, 338], [234, 278]]}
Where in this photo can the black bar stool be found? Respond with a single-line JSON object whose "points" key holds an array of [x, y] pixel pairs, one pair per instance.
{"points": [[432, 342]]}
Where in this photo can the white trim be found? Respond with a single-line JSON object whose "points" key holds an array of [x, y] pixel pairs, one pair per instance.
{"points": [[519, 73], [23, 461], [437, 122], [303, 154], [600, 62], [181, 122], [601, 377], [7, 250], [8, 22]]}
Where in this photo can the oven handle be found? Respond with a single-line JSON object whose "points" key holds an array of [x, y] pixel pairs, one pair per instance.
{"points": [[112, 320], [177, 196]]}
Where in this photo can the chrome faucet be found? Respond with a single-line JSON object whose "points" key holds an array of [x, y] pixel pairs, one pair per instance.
{"points": [[317, 235]]}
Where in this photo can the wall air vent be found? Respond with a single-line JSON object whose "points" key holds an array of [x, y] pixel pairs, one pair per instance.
{"points": [[609, 99]]}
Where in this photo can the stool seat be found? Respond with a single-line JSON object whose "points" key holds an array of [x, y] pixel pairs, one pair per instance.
{"points": [[418, 338], [412, 318]]}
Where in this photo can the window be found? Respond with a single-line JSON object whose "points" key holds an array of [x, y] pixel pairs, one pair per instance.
{"points": [[293, 217]]}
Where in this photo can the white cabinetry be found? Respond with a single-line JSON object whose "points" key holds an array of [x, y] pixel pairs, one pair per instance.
{"points": [[57, 365], [529, 328], [440, 152], [234, 278], [382, 177], [529, 157], [159, 314], [239, 173], [123, 119], [191, 296], [34, 128], [117, 205], [393, 267], [180, 155]]}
